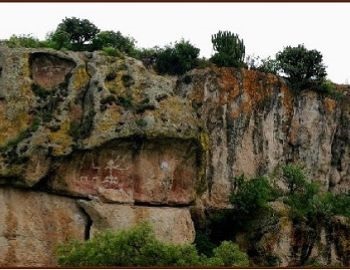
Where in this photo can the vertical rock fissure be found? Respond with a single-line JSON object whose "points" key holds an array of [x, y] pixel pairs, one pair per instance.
{"points": [[88, 225]]}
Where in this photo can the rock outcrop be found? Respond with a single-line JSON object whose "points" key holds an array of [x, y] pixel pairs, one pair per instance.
{"points": [[120, 145], [32, 224], [172, 225]]}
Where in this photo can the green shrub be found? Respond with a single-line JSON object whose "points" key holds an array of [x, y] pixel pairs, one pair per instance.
{"points": [[230, 50], [328, 88], [302, 67], [26, 41], [268, 65], [115, 40], [138, 247], [177, 59], [110, 51], [134, 247], [253, 195], [228, 255], [147, 55], [306, 200]]}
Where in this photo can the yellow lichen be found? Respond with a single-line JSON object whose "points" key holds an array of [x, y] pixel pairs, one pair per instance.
{"points": [[80, 79], [60, 140], [109, 120], [14, 116]]}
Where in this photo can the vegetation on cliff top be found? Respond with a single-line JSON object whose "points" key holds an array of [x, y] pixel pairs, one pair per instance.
{"points": [[301, 67]]}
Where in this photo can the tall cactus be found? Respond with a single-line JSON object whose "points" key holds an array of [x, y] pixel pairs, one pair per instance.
{"points": [[230, 49]]}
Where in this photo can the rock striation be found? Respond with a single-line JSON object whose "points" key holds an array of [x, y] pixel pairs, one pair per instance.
{"points": [[91, 142]]}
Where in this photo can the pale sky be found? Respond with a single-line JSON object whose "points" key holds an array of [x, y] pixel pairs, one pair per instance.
{"points": [[265, 27]]}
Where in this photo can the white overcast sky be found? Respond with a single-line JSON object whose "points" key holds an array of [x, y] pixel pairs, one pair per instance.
{"points": [[265, 27]]}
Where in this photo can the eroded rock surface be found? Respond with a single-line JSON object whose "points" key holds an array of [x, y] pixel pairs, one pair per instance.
{"points": [[172, 225], [92, 126], [255, 123], [32, 224]]}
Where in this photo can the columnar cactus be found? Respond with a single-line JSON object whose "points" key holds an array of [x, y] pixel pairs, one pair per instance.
{"points": [[230, 49]]}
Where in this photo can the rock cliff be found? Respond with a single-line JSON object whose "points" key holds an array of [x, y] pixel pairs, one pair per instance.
{"points": [[89, 142]]}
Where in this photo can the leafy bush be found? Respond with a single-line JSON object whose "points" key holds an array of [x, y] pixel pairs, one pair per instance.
{"points": [[268, 65], [135, 247], [26, 41], [111, 39], [308, 202], [139, 247], [74, 34], [110, 51], [228, 254], [147, 56], [253, 195], [177, 59], [230, 50], [302, 67]]}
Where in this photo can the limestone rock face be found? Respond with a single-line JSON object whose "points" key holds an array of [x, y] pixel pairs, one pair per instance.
{"points": [[172, 225], [90, 126], [280, 242], [32, 224], [255, 123]]}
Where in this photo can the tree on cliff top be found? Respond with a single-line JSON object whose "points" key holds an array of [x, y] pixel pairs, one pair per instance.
{"points": [[115, 40], [74, 33], [230, 49], [302, 67]]}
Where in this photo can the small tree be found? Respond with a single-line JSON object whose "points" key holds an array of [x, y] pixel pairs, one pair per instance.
{"points": [[177, 60], [111, 39], [74, 33], [302, 67], [230, 50]]}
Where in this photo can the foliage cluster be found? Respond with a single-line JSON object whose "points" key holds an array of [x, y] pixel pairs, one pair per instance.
{"points": [[308, 202], [177, 59], [139, 247], [303, 68], [26, 41], [305, 198], [252, 195]]}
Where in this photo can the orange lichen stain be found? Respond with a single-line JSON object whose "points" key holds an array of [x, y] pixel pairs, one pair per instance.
{"points": [[257, 85], [80, 79], [329, 104], [288, 100], [61, 140], [229, 86]]}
